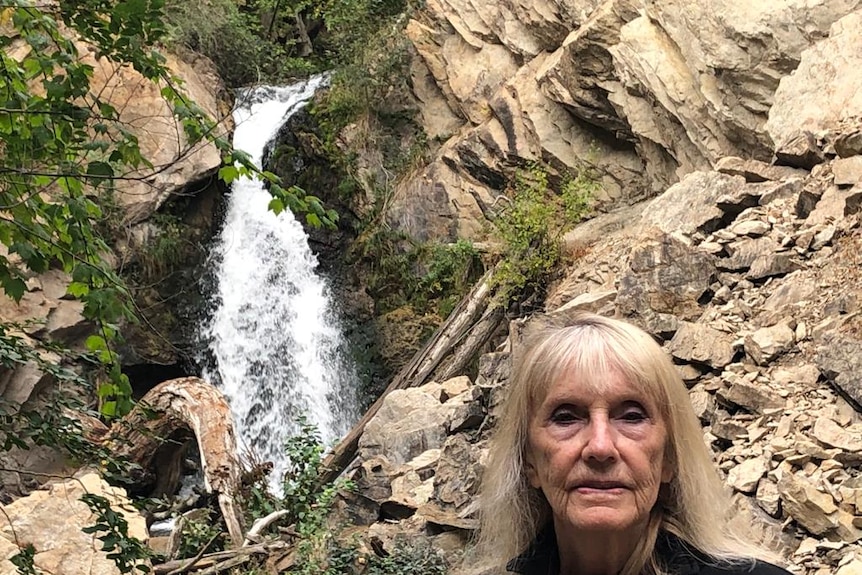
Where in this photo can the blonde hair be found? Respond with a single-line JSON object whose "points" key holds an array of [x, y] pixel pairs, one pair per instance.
{"points": [[695, 505]]}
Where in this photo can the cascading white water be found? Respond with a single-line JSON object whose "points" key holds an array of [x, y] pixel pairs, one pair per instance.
{"points": [[275, 345]]}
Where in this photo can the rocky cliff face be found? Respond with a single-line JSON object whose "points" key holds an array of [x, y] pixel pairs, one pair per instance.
{"points": [[643, 91], [46, 313], [45, 309], [745, 123]]}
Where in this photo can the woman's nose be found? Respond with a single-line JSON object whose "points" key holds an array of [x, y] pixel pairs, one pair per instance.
{"points": [[600, 444]]}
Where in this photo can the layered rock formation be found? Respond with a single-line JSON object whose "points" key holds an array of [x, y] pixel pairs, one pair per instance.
{"points": [[747, 120], [644, 92]]}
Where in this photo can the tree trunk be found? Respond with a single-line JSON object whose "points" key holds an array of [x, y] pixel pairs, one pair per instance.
{"points": [[153, 433]]}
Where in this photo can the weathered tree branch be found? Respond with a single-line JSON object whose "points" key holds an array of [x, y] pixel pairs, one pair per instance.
{"points": [[175, 411]]}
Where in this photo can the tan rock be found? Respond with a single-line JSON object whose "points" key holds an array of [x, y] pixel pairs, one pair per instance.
{"points": [[847, 171], [408, 423], [592, 301], [160, 136], [700, 343], [664, 276], [767, 343], [756, 171], [803, 375], [752, 228], [821, 92], [51, 520], [854, 567], [768, 498], [751, 397], [455, 386], [703, 403], [692, 204], [830, 433], [745, 476], [810, 508]]}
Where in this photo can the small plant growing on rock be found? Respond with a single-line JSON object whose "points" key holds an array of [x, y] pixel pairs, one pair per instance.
{"points": [[531, 222]]}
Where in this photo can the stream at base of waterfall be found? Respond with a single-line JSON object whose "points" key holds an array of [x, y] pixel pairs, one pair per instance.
{"points": [[274, 342]]}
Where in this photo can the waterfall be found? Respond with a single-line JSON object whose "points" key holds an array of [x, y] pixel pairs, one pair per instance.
{"points": [[275, 347]]}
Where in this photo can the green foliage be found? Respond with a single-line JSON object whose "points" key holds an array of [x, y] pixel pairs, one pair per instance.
{"points": [[112, 530], [408, 557], [305, 499], [430, 277], [23, 561], [235, 39], [198, 536], [531, 222], [300, 490]]}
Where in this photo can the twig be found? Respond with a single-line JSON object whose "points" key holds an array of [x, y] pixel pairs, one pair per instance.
{"points": [[196, 558], [263, 523]]}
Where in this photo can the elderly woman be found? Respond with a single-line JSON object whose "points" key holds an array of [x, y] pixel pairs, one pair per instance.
{"points": [[598, 465]]}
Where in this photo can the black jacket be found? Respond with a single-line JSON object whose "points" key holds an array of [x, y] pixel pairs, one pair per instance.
{"points": [[542, 559]]}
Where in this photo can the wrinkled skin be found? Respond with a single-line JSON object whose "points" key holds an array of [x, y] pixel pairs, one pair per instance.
{"points": [[598, 455]]}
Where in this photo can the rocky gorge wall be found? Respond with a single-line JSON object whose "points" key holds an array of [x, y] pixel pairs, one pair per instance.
{"points": [[743, 123], [728, 137], [46, 313]]}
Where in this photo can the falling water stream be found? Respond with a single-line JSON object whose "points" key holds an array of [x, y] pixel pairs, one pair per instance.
{"points": [[275, 345]]}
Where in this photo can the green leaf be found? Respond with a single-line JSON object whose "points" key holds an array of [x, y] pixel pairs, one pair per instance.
{"points": [[276, 205], [228, 174], [13, 286], [100, 170], [109, 409], [106, 390], [96, 343]]}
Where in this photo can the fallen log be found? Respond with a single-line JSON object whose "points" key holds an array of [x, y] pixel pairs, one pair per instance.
{"points": [[464, 317], [173, 412]]}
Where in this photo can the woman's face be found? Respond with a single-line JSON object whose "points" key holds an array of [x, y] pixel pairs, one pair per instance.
{"points": [[598, 456]]}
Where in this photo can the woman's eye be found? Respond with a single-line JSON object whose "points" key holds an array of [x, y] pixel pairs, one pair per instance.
{"points": [[634, 415], [564, 415]]}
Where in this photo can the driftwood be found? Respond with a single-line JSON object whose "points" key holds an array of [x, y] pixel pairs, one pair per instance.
{"points": [[172, 413], [467, 315], [219, 561], [261, 524]]}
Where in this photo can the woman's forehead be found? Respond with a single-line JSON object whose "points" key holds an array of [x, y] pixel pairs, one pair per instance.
{"points": [[611, 383]]}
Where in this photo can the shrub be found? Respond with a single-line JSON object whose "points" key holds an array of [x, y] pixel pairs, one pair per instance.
{"points": [[531, 223]]}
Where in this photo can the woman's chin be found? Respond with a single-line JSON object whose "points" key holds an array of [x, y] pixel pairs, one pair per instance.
{"points": [[601, 520]]}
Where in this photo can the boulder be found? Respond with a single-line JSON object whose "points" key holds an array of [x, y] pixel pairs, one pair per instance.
{"points": [[823, 90], [767, 343], [664, 276], [52, 519], [831, 434], [755, 170], [839, 360], [693, 204], [456, 481], [811, 508], [746, 476], [409, 422], [753, 398], [701, 344], [160, 134]]}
